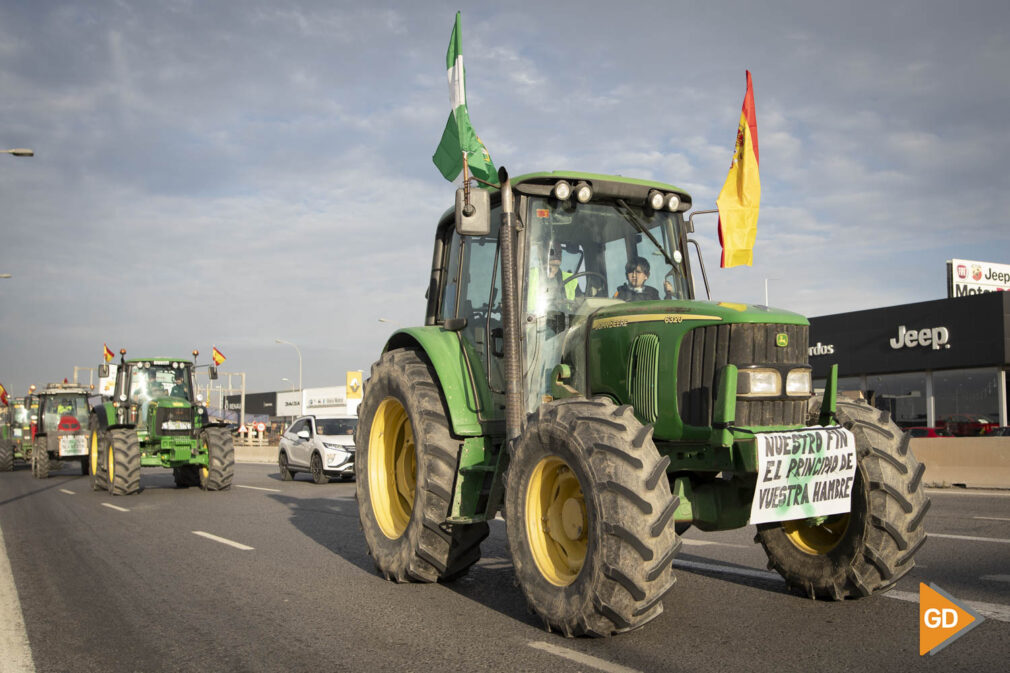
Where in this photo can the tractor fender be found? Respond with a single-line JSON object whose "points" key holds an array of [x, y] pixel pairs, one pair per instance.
{"points": [[105, 414], [445, 353]]}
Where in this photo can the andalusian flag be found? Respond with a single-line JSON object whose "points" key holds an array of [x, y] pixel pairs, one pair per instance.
{"points": [[740, 197], [459, 139], [108, 354], [218, 356], [3, 395]]}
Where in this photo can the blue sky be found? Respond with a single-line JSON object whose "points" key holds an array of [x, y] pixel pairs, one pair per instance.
{"points": [[227, 173]]}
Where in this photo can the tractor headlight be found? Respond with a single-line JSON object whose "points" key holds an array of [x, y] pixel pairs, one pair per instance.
{"points": [[799, 383], [672, 203], [758, 383], [562, 190], [583, 192], [655, 200]]}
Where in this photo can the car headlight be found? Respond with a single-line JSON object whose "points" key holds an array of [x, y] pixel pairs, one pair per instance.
{"points": [[336, 455], [758, 383], [799, 383]]}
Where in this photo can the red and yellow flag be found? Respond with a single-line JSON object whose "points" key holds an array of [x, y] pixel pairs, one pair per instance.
{"points": [[740, 198], [218, 356], [3, 395], [108, 353]]}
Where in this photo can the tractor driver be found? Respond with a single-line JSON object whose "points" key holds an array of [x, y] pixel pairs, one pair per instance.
{"points": [[179, 389]]}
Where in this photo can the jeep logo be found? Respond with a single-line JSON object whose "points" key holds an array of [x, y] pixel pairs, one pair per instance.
{"points": [[935, 337]]}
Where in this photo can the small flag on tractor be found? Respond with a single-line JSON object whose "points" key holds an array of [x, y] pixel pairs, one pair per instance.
{"points": [[108, 353], [3, 395], [459, 140], [218, 356], [740, 198]]}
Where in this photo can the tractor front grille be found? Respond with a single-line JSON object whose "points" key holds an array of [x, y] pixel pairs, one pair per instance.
{"points": [[705, 350], [173, 421]]}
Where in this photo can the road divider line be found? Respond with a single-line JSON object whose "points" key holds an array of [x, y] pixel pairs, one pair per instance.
{"points": [[991, 518], [1000, 613], [222, 540], [728, 570], [258, 488], [705, 543], [15, 650], [115, 507], [995, 578], [63, 490], [580, 658], [971, 538]]}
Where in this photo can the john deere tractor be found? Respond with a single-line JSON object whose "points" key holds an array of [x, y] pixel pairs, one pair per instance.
{"points": [[567, 376], [156, 419], [22, 415], [61, 431]]}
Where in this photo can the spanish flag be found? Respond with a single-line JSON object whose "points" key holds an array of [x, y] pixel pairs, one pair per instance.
{"points": [[108, 353], [3, 395], [740, 198], [218, 356]]}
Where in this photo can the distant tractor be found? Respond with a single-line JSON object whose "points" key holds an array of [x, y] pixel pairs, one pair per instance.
{"points": [[19, 430], [156, 419], [61, 433], [567, 376]]}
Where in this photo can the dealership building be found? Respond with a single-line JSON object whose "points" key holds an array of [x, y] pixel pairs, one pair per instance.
{"points": [[930, 361]]}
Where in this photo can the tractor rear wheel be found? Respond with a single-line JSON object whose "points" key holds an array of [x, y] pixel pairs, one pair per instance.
{"points": [[873, 546], [406, 467], [122, 462], [220, 468], [97, 448], [589, 511], [6, 456], [40, 460]]}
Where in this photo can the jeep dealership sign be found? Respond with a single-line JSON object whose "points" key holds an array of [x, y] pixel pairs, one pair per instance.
{"points": [[966, 277]]}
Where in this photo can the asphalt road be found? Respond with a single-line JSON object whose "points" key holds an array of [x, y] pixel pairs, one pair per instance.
{"points": [[275, 576]]}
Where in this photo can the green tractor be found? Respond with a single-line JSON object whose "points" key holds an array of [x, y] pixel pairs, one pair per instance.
{"points": [[155, 419], [61, 431], [567, 376], [18, 430]]}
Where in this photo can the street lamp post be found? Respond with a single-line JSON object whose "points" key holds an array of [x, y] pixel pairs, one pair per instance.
{"points": [[282, 341]]}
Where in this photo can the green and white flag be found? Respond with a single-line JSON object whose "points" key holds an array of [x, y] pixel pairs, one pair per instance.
{"points": [[459, 138]]}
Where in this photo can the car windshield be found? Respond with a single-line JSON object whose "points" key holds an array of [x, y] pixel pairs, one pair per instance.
{"points": [[336, 426], [150, 381]]}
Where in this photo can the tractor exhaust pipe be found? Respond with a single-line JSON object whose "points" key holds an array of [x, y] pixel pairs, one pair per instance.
{"points": [[510, 292]]}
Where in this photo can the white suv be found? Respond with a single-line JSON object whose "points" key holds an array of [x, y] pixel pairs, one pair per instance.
{"points": [[322, 446]]}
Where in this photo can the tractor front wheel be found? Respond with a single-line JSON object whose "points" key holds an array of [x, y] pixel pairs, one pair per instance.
{"points": [[40, 460], [220, 469], [405, 469], [6, 456], [122, 461], [589, 511], [97, 448], [873, 546]]}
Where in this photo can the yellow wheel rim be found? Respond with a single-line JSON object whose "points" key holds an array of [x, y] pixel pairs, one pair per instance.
{"points": [[110, 463], [93, 455], [817, 540], [556, 521], [392, 468], [205, 469]]}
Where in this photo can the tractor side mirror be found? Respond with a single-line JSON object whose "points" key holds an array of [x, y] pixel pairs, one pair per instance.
{"points": [[213, 373], [103, 371], [473, 219]]}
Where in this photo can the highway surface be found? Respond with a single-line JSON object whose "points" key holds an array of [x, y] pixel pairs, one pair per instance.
{"points": [[275, 576]]}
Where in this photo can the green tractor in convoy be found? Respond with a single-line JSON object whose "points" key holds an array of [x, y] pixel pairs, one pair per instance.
{"points": [[18, 429], [61, 431], [567, 376], [156, 419]]}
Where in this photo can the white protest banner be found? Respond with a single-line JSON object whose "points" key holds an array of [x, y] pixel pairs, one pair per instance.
{"points": [[802, 474]]}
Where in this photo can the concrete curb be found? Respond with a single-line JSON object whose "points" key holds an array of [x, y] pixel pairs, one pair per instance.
{"points": [[266, 453]]}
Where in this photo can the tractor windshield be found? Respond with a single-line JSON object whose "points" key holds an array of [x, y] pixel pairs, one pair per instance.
{"points": [[154, 380], [582, 256], [65, 412]]}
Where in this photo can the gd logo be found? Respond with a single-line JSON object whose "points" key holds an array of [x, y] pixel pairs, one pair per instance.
{"points": [[942, 620]]}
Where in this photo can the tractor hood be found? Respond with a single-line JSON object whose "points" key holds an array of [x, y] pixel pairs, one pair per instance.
{"points": [[619, 314]]}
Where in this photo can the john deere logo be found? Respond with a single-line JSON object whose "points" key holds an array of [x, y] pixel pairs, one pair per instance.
{"points": [[781, 339]]}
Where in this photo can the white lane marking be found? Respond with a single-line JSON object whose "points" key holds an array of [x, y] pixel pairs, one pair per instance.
{"points": [[1000, 613], [258, 488], [995, 578], [972, 538], [727, 570], [705, 543], [959, 491], [63, 490], [230, 543], [17, 652], [991, 518], [115, 507], [580, 658]]}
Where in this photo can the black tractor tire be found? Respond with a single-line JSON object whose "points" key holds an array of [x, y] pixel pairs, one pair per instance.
{"points": [[868, 550], [220, 470], [589, 516], [186, 476], [282, 465], [316, 468], [122, 462], [40, 460], [98, 446], [405, 470], [6, 456]]}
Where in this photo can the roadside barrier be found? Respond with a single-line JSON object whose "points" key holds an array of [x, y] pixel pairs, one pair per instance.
{"points": [[975, 462]]}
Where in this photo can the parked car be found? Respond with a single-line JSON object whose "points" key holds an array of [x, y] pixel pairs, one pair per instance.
{"points": [[924, 431], [1002, 431], [967, 425], [321, 446]]}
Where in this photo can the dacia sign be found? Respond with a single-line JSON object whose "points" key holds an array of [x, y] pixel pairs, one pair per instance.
{"points": [[966, 277]]}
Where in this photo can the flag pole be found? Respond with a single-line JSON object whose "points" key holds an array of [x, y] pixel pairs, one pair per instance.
{"points": [[466, 186]]}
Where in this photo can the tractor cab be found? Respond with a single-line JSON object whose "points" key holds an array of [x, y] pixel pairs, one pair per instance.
{"points": [[156, 395]]}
